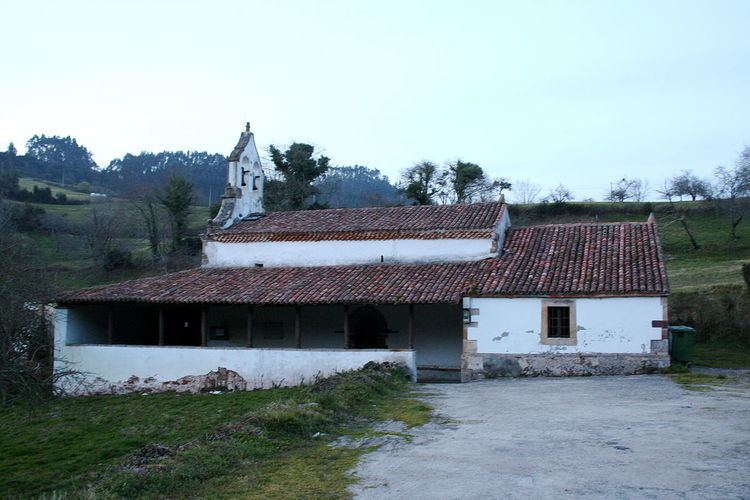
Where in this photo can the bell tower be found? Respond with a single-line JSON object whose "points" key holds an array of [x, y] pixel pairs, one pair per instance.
{"points": [[243, 195]]}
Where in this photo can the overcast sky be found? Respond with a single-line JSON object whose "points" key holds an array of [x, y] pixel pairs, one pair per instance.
{"points": [[581, 93]]}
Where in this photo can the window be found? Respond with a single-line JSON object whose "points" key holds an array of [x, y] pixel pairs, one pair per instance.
{"points": [[559, 322]]}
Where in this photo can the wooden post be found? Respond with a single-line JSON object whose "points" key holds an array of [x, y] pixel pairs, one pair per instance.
{"points": [[249, 341], [110, 324], [161, 326], [204, 326], [346, 327], [411, 326], [297, 336]]}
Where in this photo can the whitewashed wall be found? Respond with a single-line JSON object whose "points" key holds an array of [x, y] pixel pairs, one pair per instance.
{"points": [[326, 253], [606, 325], [117, 368]]}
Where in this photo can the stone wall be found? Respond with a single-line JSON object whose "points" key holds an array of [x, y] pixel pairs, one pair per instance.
{"points": [[491, 365]]}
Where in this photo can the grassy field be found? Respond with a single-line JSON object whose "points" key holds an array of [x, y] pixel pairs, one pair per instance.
{"points": [[29, 183], [722, 354], [64, 252], [260, 444]]}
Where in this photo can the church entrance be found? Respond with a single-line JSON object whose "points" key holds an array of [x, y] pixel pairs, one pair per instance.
{"points": [[368, 329]]}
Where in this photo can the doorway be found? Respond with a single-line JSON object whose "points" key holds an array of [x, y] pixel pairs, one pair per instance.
{"points": [[368, 329]]}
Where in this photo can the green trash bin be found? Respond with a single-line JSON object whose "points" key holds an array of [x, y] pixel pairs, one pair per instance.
{"points": [[681, 340]]}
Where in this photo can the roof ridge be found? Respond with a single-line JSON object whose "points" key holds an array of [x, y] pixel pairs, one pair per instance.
{"points": [[341, 209], [581, 224]]}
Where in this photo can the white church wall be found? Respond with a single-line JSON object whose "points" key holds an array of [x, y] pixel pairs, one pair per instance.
{"points": [[326, 253], [120, 369], [605, 325], [438, 335]]}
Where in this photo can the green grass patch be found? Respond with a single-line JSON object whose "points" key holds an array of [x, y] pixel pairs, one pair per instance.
{"points": [[406, 409], [697, 381], [312, 471], [270, 444], [29, 183], [72, 439], [722, 354]]}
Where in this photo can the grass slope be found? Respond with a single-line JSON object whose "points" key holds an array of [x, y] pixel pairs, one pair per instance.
{"points": [[29, 183], [64, 252], [259, 444]]}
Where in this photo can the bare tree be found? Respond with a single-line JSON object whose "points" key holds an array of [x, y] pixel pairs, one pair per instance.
{"points": [[101, 231], [148, 205], [731, 184], [560, 194], [526, 192], [677, 215], [640, 190], [627, 189], [26, 371], [687, 183]]}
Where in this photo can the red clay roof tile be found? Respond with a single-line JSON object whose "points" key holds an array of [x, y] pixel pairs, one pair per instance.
{"points": [[555, 260], [476, 221]]}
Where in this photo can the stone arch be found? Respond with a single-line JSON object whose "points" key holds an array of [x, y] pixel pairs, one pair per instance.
{"points": [[368, 329], [244, 171]]}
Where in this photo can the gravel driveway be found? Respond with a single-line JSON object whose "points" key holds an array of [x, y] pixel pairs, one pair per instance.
{"points": [[597, 437]]}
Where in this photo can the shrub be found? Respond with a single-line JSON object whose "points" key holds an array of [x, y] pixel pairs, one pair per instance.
{"points": [[719, 313], [117, 259]]}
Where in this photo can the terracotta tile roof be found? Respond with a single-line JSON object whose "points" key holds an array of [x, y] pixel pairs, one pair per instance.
{"points": [[555, 260], [580, 259], [475, 221], [382, 284]]}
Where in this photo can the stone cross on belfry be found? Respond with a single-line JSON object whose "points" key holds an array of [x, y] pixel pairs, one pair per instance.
{"points": [[247, 126]]}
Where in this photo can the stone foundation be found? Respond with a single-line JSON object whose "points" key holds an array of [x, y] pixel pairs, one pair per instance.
{"points": [[478, 365]]}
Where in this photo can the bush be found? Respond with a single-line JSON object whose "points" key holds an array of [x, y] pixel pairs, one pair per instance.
{"points": [[117, 259], [719, 313]]}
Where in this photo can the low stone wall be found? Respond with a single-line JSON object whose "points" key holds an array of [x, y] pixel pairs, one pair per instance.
{"points": [[480, 366], [119, 369]]}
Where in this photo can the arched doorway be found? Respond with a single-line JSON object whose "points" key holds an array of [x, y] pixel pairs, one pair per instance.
{"points": [[368, 329]]}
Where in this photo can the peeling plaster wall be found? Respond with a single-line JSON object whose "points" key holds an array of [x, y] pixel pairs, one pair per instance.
{"points": [[327, 253], [121, 369], [606, 325]]}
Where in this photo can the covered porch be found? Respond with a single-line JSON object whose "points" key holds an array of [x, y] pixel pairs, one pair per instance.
{"points": [[433, 332]]}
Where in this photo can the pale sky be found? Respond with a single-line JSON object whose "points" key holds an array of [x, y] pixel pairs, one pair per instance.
{"points": [[580, 93]]}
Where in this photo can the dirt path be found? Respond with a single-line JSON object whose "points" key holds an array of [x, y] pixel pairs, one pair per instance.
{"points": [[614, 437]]}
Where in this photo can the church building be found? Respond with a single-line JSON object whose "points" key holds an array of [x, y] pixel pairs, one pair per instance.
{"points": [[453, 292]]}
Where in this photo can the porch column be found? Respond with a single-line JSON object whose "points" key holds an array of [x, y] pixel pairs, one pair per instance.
{"points": [[249, 341], [204, 326], [346, 327], [110, 324], [161, 326], [411, 326], [297, 336]]}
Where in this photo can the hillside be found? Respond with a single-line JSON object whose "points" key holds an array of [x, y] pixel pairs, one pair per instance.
{"points": [[60, 238]]}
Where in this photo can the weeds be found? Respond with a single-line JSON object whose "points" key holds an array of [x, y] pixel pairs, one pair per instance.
{"points": [[698, 381], [268, 444]]}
